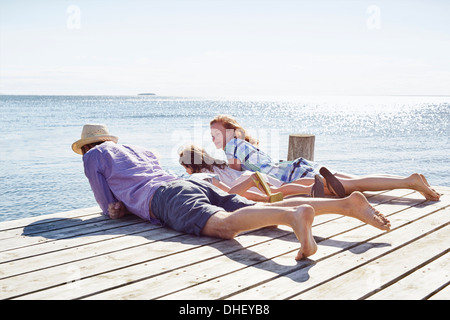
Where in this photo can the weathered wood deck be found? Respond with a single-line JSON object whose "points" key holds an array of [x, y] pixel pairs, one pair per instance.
{"points": [[82, 255]]}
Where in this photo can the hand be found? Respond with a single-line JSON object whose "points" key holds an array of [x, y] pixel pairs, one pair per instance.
{"points": [[117, 210]]}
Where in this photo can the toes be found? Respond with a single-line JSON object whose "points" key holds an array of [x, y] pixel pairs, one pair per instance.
{"points": [[380, 217]]}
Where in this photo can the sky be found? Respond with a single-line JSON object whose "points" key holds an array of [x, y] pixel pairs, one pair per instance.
{"points": [[225, 48]]}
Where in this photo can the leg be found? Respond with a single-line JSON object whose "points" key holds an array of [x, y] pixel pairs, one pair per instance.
{"points": [[381, 182], [228, 224], [415, 182], [307, 184], [255, 196], [304, 181], [289, 189], [354, 206]]}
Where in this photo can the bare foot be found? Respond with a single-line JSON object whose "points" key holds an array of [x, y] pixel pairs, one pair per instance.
{"points": [[302, 224], [361, 209], [428, 185], [420, 184]]}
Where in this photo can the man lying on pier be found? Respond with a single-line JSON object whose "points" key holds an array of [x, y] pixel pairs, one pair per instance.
{"points": [[129, 179]]}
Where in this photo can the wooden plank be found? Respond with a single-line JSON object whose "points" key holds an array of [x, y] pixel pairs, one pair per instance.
{"points": [[301, 145], [207, 270], [44, 260], [94, 264], [369, 277], [129, 259], [420, 284], [162, 285], [76, 251], [56, 245], [20, 223], [116, 257], [443, 294], [126, 266], [309, 274], [72, 229], [48, 224], [53, 259]]}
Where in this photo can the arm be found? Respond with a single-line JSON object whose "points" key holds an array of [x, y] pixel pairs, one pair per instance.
{"points": [[99, 186], [242, 189], [243, 186], [231, 152], [235, 164], [239, 189], [220, 185]]}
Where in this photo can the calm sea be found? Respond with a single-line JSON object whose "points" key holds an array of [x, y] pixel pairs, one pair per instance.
{"points": [[40, 174]]}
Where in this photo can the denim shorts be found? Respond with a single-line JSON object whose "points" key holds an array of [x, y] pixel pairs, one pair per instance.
{"points": [[186, 205]]}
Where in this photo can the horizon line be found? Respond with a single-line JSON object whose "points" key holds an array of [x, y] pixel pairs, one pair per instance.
{"points": [[225, 96]]}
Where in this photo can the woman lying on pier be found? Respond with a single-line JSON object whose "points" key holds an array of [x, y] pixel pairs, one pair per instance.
{"points": [[243, 154]]}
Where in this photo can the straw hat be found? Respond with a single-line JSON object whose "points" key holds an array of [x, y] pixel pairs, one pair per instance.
{"points": [[93, 133]]}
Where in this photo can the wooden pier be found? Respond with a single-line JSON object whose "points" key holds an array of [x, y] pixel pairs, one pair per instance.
{"points": [[82, 255]]}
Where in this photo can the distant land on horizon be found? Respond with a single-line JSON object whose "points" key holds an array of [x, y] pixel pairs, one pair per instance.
{"points": [[146, 94]]}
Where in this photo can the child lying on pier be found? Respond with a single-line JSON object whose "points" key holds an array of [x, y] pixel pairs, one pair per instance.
{"points": [[200, 164], [243, 154]]}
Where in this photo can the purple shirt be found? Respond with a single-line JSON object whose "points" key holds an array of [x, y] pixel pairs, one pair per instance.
{"points": [[125, 173]]}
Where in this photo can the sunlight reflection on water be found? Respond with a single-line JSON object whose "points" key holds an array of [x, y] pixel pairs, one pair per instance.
{"points": [[361, 135]]}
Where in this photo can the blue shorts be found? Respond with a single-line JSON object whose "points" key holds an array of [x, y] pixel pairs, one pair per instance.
{"points": [[186, 205]]}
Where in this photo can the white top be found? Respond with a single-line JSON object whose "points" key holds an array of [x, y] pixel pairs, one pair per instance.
{"points": [[231, 177]]}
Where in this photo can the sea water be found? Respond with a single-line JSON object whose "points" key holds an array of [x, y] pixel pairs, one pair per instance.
{"points": [[40, 174]]}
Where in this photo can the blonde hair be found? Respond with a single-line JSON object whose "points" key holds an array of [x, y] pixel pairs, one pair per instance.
{"points": [[229, 122], [198, 159]]}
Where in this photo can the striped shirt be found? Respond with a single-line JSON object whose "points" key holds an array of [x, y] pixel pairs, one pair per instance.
{"points": [[253, 159]]}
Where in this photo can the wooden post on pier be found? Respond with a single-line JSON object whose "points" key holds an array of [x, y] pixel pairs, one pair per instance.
{"points": [[301, 145]]}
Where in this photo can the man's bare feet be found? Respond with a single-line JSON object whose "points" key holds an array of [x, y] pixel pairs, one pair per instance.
{"points": [[420, 184], [302, 224], [360, 208]]}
